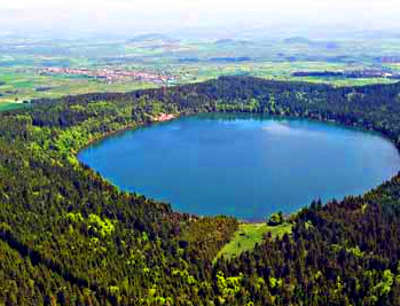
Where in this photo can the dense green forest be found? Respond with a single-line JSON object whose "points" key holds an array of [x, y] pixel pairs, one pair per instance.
{"points": [[68, 237]]}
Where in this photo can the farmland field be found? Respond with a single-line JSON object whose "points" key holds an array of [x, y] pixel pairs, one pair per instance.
{"points": [[169, 61]]}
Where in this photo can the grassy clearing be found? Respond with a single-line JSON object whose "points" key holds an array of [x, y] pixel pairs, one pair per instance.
{"points": [[5, 106], [248, 234]]}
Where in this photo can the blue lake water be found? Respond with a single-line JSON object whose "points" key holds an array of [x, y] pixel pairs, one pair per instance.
{"points": [[243, 165]]}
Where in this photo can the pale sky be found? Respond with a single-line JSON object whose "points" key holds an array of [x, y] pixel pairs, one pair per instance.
{"points": [[165, 15]]}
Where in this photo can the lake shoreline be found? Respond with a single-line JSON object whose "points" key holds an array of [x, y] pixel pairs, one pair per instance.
{"points": [[269, 126]]}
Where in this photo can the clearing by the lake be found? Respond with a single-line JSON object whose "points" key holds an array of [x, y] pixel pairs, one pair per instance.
{"points": [[248, 234], [164, 117]]}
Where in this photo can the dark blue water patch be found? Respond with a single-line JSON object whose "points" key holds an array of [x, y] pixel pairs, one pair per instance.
{"points": [[243, 165]]}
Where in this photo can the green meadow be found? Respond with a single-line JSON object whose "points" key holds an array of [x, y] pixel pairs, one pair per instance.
{"points": [[249, 234]]}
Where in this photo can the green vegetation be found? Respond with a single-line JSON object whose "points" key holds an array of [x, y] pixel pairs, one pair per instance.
{"points": [[68, 237], [25, 86], [23, 63], [250, 234], [275, 219], [11, 106]]}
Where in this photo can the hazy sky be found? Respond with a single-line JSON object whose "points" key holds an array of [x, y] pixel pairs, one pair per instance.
{"points": [[172, 15]]}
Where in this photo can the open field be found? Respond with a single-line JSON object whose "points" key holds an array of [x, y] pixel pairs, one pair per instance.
{"points": [[248, 234], [28, 85], [9, 106]]}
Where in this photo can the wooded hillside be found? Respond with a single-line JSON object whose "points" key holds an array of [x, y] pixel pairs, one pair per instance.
{"points": [[67, 237]]}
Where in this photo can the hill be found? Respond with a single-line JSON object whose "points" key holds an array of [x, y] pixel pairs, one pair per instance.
{"points": [[149, 37]]}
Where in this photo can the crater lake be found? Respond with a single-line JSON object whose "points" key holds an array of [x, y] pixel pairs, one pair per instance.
{"points": [[243, 165]]}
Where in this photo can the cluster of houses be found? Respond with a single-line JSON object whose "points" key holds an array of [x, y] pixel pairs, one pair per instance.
{"points": [[111, 75]]}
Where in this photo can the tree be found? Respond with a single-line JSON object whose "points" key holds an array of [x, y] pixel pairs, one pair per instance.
{"points": [[275, 219]]}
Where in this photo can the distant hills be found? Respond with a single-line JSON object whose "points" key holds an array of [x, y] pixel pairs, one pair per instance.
{"points": [[305, 41], [150, 37], [298, 40], [224, 41], [229, 41]]}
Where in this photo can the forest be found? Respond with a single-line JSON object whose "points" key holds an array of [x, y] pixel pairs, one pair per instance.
{"points": [[69, 237]]}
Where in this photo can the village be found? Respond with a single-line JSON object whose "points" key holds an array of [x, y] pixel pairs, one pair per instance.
{"points": [[111, 75]]}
